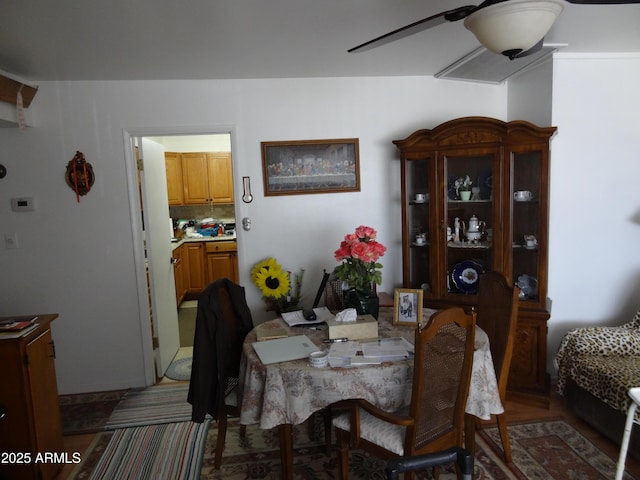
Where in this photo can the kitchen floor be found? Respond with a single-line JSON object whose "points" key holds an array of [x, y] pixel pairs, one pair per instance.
{"points": [[187, 322], [182, 353]]}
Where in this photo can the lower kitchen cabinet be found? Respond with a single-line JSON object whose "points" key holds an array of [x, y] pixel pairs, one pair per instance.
{"points": [[178, 273], [222, 261], [197, 264], [195, 275], [30, 426]]}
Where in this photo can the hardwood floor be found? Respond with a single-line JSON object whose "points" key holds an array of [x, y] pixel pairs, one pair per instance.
{"points": [[517, 412]]}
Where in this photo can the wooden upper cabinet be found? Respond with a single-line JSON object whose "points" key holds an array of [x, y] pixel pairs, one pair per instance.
{"points": [[175, 186], [220, 177], [207, 178]]}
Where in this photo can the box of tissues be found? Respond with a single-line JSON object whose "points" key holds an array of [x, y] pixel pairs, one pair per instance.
{"points": [[360, 328]]}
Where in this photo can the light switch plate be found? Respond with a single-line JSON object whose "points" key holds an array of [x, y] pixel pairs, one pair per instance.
{"points": [[11, 241]]}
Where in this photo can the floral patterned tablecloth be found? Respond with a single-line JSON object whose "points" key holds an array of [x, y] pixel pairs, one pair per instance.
{"points": [[289, 392]]}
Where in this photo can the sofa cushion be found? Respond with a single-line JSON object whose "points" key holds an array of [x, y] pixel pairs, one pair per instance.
{"points": [[599, 341], [608, 377]]}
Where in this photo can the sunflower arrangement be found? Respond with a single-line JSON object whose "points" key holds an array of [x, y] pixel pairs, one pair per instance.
{"points": [[275, 285]]}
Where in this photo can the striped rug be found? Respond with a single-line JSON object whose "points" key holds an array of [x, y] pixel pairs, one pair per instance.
{"points": [[165, 451], [151, 406]]}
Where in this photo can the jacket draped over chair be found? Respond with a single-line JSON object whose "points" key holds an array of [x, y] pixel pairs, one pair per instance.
{"points": [[217, 347]]}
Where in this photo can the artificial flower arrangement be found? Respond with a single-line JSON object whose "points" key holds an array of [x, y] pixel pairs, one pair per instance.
{"points": [[359, 253], [275, 285], [463, 185]]}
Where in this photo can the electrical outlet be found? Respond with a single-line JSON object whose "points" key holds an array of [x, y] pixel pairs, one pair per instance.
{"points": [[11, 241]]}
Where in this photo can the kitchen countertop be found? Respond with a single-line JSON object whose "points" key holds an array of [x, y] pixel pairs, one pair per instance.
{"points": [[219, 238]]}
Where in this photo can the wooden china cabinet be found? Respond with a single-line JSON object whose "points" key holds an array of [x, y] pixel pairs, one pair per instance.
{"points": [[448, 242]]}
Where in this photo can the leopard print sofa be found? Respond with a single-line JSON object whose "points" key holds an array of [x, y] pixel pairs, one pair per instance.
{"points": [[598, 365], [603, 360]]}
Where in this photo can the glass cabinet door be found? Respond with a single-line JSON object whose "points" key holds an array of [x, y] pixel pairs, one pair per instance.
{"points": [[417, 241], [471, 216], [528, 236]]}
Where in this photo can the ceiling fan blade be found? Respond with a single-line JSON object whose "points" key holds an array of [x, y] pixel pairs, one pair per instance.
{"points": [[603, 2], [415, 27]]}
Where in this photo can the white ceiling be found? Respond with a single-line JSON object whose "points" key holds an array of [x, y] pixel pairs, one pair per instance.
{"points": [[206, 39]]}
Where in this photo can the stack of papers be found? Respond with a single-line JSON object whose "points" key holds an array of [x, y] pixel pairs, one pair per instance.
{"points": [[351, 354], [296, 319], [14, 324], [14, 327]]}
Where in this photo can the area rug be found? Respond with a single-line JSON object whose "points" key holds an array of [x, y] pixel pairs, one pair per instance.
{"points": [[87, 412], [166, 451], [163, 403], [180, 369], [544, 450], [553, 450], [257, 456]]}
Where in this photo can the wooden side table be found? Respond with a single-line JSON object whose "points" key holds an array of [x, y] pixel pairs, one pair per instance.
{"points": [[31, 441]]}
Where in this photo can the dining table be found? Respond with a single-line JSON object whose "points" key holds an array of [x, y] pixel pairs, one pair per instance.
{"points": [[288, 393]]}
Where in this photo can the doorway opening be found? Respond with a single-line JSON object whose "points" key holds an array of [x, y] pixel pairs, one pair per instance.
{"points": [[154, 228]]}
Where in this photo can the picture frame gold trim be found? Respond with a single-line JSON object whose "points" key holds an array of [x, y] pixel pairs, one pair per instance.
{"points": [[407, 300], [298, 167]]}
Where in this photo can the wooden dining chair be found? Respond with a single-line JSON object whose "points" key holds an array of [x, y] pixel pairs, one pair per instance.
{"points": [[224, 322], [434, 419], [497, 315]]}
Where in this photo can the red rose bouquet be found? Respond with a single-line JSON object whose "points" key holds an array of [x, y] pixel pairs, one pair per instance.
{"points": [[359, 253]]}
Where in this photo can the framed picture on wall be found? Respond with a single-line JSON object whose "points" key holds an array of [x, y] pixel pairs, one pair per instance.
{"points": [[310, 166], [407, 306]]}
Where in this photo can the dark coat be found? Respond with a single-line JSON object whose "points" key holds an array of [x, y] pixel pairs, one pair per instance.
{"points": [[217, 348]]}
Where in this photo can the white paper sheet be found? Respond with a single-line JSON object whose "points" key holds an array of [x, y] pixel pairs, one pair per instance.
{"points": [[296, 319]]}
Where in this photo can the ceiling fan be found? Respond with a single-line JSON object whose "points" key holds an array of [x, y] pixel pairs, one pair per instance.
{"points": [[514, 28]]}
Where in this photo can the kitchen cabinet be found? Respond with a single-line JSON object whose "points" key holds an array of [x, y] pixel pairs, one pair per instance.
{"points": [[448, 240], [175, 184], [222, 261], [207, 178], [194, 268], [31, 425], [179, 274]]}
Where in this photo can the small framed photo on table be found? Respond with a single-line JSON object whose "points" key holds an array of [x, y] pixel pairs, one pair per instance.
{"points": [[407, 306]]}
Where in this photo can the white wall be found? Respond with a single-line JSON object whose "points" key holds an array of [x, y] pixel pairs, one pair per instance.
{"points": [[530, 95], [594, 267], [76, 259], [196, 143]]}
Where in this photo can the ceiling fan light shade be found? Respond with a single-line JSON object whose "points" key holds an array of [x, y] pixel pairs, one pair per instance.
{"points": [[513, 26]]}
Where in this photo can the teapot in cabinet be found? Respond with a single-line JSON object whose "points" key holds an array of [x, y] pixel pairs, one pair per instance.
{"points": [[475, 230]]}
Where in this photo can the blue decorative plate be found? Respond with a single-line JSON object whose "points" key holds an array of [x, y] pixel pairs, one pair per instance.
{"points": [[465, 276]]}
